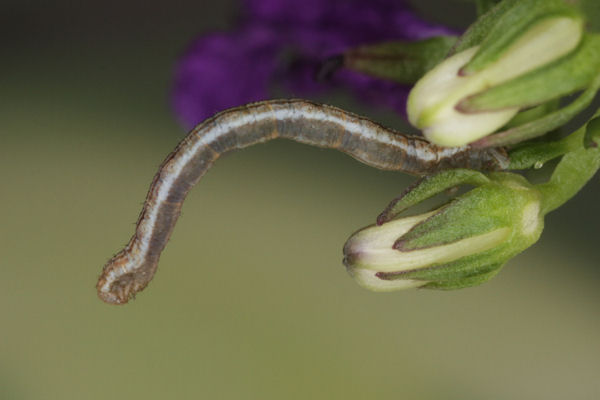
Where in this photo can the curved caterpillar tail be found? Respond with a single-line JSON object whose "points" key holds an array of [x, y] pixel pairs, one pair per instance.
{"points": [[132, 268]]}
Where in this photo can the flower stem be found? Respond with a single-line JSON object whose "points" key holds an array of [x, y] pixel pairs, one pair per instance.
{"points": [[574, 170]]}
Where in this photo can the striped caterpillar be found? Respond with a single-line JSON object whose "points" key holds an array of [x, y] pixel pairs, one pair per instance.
{"points": [[132, 268]]}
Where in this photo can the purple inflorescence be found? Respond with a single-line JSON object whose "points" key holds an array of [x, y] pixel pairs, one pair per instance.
{"points": [[281, 43]]}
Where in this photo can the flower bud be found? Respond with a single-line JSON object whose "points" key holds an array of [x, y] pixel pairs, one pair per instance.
{"points": [[440, 105], [460, 244]]}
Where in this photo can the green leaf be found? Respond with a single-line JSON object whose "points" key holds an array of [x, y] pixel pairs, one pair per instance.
{"points": [[465, 282], [483, 210], [592, 134], [516, 20], [543, 125], [428, 187], [480, 211], [402, 62], [460, 219], [564, 76], [468, 271], [533, 113], [484, 6], [480, 28], [591, 10]]}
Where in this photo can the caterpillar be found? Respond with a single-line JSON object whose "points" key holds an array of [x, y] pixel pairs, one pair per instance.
{"points": [[130, 270]]}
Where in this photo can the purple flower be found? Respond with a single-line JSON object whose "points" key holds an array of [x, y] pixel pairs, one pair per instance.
{"points": [[279, 44]]}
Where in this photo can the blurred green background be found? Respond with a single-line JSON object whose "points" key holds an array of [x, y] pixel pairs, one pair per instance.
{"points": [[251, 299]]}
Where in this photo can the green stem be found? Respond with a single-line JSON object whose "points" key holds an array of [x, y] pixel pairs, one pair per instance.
{"points": [[537, 154], [574, 170]]}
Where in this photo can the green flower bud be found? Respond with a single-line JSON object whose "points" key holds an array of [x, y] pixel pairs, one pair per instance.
{"points": [[462, 243], [476, 91]]}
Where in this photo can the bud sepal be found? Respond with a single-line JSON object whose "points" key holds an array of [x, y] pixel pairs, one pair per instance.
{"points": [[459, 244], [516, 50]]}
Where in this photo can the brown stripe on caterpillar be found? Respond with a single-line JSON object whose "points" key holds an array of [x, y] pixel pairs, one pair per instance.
{"points": [[319, 125]]}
